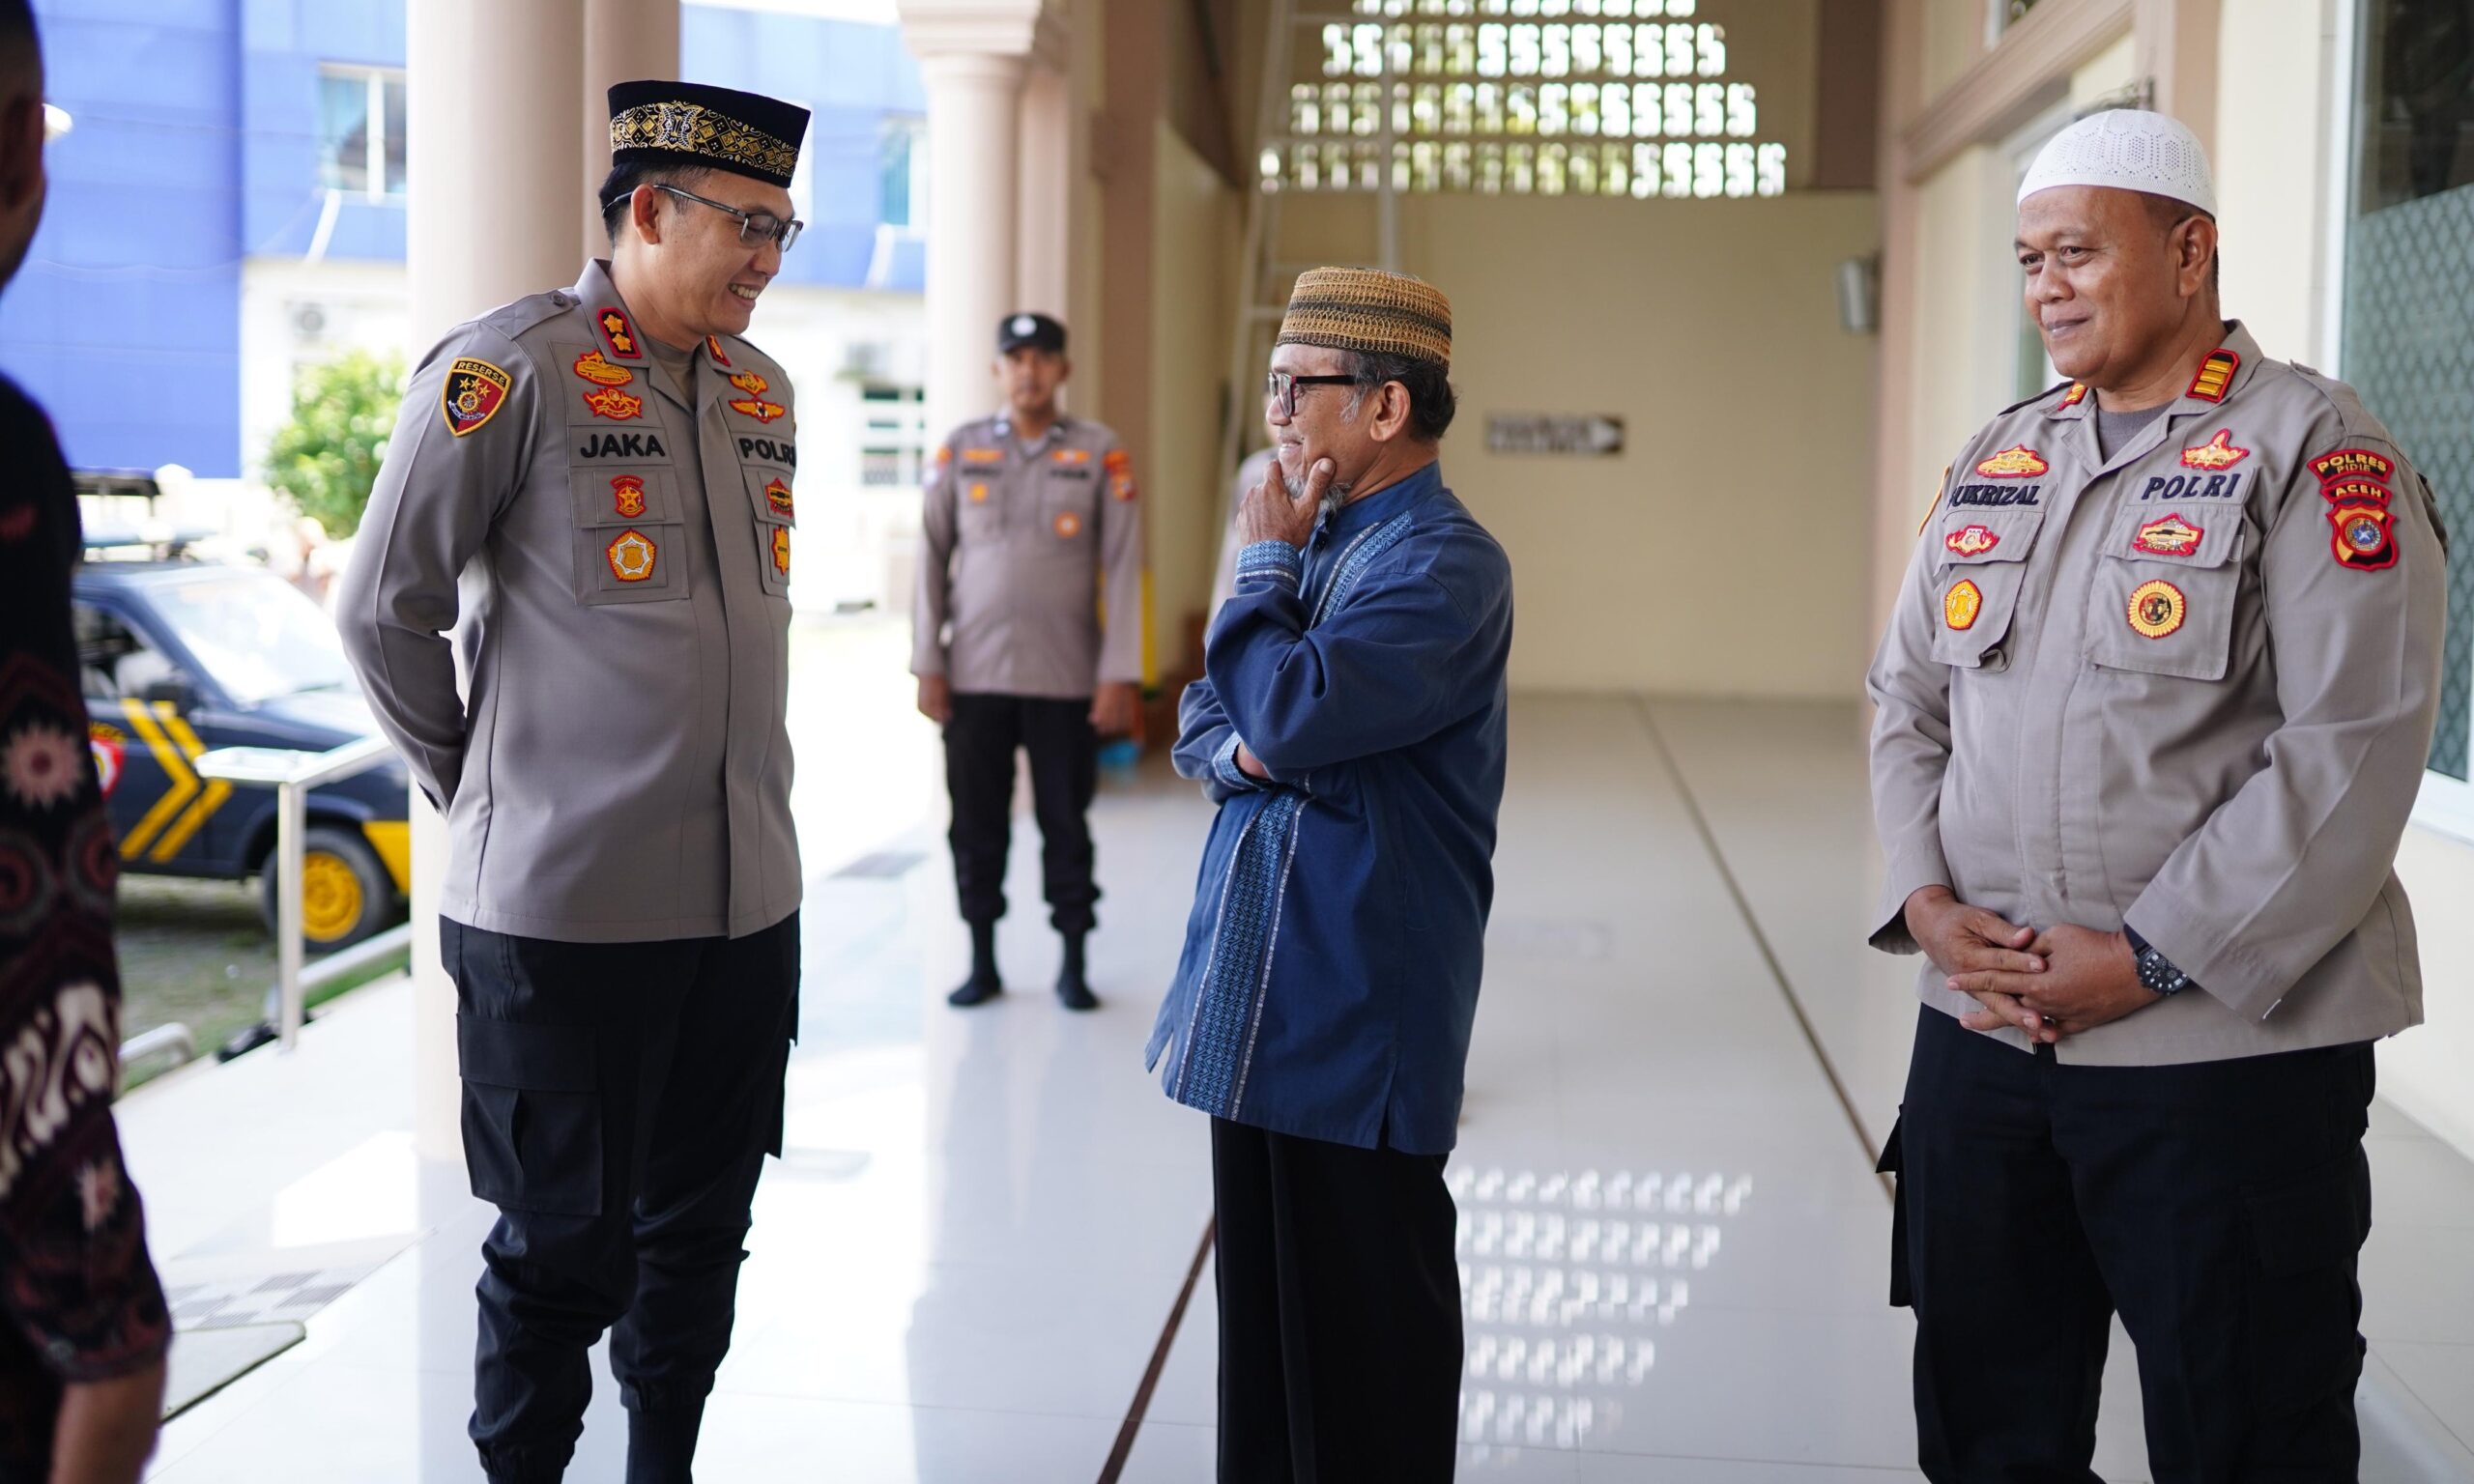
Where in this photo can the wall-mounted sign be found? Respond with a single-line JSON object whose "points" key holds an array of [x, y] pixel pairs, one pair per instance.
{"points": [[1589, 436]]}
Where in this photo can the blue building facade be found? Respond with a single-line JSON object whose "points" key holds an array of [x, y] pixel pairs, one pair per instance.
{"points": [[209, 133]]}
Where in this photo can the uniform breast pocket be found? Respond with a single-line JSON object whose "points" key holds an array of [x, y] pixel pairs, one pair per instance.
{"points": [[776, 508], [629, 546], [1066, 502], [1980, 567], [2165, 589], [979, 500]]}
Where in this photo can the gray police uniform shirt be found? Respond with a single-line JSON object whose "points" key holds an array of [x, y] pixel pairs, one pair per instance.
{"points": [[1030, 572], [612, 559], [2191, 685]]}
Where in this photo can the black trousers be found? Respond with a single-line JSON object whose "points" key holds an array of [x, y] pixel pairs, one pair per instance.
{"points": [[2220, 1207], [619, 1102], [980, 742], [1340, 1312]]}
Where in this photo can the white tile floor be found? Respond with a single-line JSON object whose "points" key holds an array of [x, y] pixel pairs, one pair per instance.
{"points": [[1675, 1250]]}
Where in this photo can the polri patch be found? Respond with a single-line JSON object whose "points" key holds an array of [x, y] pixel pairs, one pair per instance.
{"points": [[1961, 605], [2354, 491], [2017, 462], [632, 557], [2217, 452], [2157, 609], [2172, 537], [2363, 542], [472, 395], [777, 495], [2215, 376], [757, 407], [627, 496]]}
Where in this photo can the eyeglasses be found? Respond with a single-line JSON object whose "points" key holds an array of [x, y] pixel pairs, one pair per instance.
{"points": [[754, 227], [1280, 387]]}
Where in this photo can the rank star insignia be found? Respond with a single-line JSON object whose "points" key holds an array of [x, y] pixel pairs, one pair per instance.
{"points": [[2019, 461], [2217, 452], [631, 556], [2215, 376], [2157, 609], [627, 496], [757, 407], [2077, 394], [2364, 541], [616, 404], [778, 496], [1972, 541], [618, 333], [595, 367], [782, 550], [752, 384], [713, 343], [472, 395], [2352, 463], [1961, 605], [2172, 537], [1069, 525]]}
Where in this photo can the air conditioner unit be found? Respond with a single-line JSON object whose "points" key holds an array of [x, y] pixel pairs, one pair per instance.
{"points": [[309, 321]]}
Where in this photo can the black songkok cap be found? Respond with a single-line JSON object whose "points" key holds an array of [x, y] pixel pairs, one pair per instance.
{"points": [[1036, 331], [656, 122]]}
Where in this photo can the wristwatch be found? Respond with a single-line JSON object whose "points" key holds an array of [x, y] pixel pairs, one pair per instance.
{"points": [[2155, 971]]}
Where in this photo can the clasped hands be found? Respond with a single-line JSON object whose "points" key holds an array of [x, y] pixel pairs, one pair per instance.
{"points": [[2057, 983]]}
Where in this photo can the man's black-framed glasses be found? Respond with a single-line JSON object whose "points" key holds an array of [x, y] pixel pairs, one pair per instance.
{"points": [[754, 227], [1280, 387]]}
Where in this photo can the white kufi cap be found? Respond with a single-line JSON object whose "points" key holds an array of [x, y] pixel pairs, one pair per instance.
{"points": [[2127, 148]]}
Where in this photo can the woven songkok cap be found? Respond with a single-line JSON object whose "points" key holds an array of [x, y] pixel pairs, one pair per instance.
{"points": [[1368, 310], [691, 124], [2128, 149]]}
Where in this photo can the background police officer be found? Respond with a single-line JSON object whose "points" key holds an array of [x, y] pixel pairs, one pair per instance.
{"points": [[2154, 705], [1030, 516], [610, 472]]}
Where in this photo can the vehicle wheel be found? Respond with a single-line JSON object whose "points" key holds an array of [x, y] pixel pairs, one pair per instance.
{"points": [[345, 892]]}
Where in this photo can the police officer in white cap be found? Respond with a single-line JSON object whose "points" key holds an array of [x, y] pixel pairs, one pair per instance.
{"points": [[2153, 708]]}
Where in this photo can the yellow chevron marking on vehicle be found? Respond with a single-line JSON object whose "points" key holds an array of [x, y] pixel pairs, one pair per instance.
{"points": [[392, 839], [211, 799], [181, 784]]}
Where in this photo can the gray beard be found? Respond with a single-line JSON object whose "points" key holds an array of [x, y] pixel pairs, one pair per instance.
{"points": [[1335, 495]]}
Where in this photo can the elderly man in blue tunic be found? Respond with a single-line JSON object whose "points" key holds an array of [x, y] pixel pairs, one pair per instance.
{"points": [[1350, 727]]}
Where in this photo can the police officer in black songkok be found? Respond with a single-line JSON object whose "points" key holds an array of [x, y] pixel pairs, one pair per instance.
{"points": [[613, 470]]}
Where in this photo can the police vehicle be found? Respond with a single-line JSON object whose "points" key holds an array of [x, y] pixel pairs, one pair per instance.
{"points": [[178, 656]]}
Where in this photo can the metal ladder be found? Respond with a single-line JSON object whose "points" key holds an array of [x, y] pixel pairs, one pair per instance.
{"points": [[1265, 276]]}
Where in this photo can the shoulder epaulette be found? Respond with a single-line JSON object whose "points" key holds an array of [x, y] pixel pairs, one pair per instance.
{"points": [[533, 309], [2076, 393]]}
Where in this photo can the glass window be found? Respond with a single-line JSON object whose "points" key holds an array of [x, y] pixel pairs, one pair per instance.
{"points": [[361, 131], [255, 632], [2412, 215], [893, 444]]}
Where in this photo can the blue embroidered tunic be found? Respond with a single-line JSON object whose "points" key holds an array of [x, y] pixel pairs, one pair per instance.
{"points": [[1331, 964]]}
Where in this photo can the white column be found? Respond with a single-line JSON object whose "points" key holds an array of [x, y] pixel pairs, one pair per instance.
{"points": [[974, 103], [623, 41], [493, 156]]}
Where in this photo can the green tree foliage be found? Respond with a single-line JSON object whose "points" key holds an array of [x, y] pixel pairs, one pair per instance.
{"points": [[326, 458]]}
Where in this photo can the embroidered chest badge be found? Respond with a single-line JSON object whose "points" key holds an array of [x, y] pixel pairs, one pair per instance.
{"points": [[2157, 609], [752, 384], [757, 407], [631, 556], [2017, 462], [616, 404], [617, 334], [1972, 541], [1069, 525], [472, 395], [778, 496], [2363, 543], [2172, 537], [627, 496], [2216, 453], [782, 551], [1961, 605], [597, 368], [2215, 376], [2352, 463]]}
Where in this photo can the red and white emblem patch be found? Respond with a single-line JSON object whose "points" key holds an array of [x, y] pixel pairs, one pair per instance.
{"points": [[1973, 541], [2216, 453], [2172, 537]]}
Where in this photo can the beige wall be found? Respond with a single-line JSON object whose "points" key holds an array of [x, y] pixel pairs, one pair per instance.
{"points": [[1713, 555], [1197, 225], [1953, 38], [2273, 195], [2110, 70]]}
